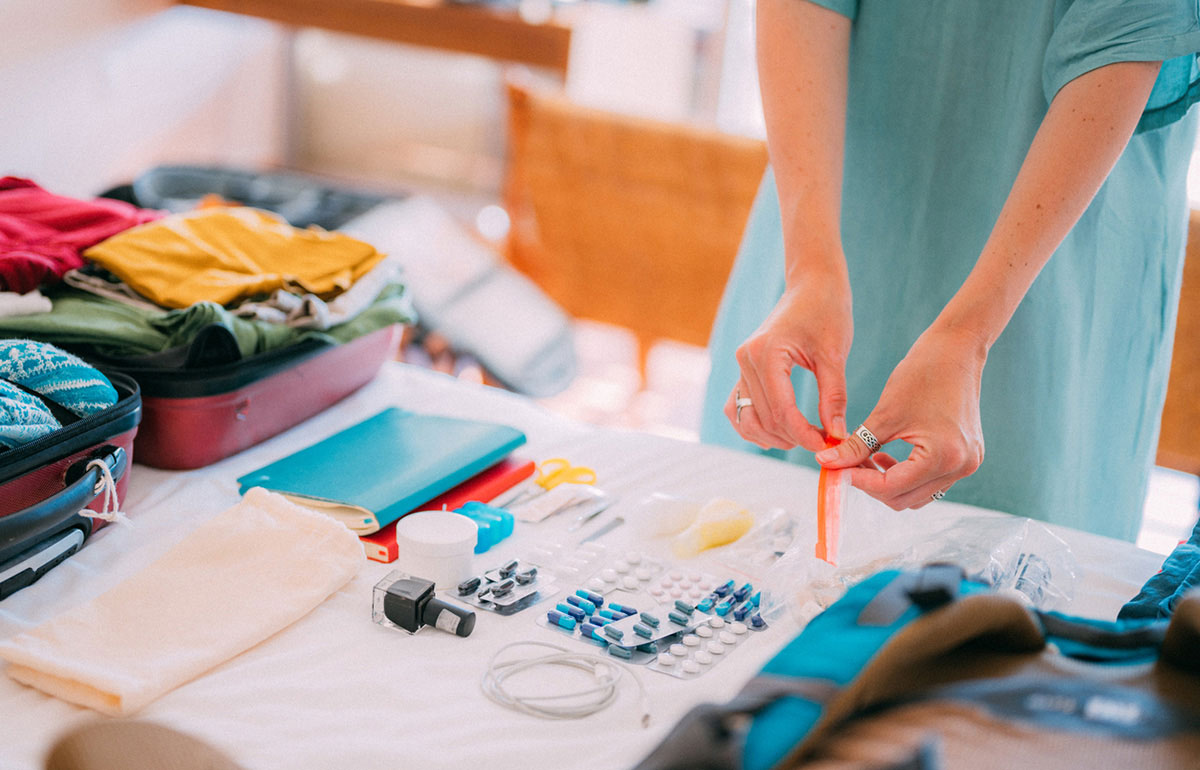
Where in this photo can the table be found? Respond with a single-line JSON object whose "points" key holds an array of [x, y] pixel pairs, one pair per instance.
{"points": [[335, 690]]}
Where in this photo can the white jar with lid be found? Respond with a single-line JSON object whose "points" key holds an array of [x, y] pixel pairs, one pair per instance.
{"points": [[437, 546]]}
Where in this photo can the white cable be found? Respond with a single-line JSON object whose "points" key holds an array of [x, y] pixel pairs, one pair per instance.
{"points": [[608, 674]]}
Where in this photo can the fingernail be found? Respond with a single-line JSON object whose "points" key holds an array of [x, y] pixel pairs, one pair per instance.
{"points": [[839, 426], [826, 455]]}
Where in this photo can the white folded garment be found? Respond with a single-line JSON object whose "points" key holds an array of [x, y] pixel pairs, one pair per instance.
{"points": [[30, 303], [214, 595]]}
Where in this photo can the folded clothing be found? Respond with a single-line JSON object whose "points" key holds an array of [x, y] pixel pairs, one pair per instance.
{"points": [[228, 254], [41, 234], [31, 371], [212, 596], [114, 331], [29, 303]]}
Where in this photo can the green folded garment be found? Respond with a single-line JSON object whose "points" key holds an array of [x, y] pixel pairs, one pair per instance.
{"points": [[116, 330]]}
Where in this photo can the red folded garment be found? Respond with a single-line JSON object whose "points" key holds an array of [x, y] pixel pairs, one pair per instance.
{"points": [[41, 234]]}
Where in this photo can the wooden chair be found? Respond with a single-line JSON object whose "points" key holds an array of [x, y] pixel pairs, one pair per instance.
{"points": [[625, 220], [1178, 447]]}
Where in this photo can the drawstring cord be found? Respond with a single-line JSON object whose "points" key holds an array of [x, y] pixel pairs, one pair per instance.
{"points": [[111, 510]]}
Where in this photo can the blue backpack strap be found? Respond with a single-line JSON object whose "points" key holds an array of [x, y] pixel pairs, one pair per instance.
{"points": [[835, 647], [1104, 641]]}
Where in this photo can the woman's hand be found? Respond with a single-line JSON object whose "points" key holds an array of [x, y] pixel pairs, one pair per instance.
{"points": [[811, 326], [930, 401]]}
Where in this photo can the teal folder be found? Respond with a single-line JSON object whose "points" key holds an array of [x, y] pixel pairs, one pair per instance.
{"points": [[372, 473]]}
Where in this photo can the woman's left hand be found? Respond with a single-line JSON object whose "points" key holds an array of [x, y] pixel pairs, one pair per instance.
{"points": [[931, 401]]}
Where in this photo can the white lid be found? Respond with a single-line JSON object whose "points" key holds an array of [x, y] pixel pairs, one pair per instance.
{"points": [[436, 533]]}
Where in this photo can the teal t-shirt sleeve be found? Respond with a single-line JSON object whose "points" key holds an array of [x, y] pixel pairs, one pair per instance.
{"points": [[847, 8], [1095, 33]]}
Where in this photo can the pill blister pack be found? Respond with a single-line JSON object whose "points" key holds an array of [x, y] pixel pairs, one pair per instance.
{"points": [[506, 589], [699, 650], [710, 595], [632, 571], [569, 564], [622, 630]]}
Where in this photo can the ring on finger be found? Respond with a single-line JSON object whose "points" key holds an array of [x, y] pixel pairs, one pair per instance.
{"points": [[938, 495], [740, 402], [868, 438]]}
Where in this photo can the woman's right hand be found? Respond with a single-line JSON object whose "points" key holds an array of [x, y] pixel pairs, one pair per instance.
{"points": [[811, 326]]}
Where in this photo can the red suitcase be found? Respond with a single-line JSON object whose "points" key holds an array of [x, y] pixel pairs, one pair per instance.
{"points": [[192, 418], [45, 483]]}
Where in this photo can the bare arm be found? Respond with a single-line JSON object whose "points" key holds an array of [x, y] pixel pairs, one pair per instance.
{"points": [[802, 63], [932, 398]]}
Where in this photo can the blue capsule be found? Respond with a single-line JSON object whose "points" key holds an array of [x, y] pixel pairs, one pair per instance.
{"points": [[582, 604], [757, 621], [648, 647], [743, 592], [756, 600], [627, 611], [705, 604], [608, 613], [595, 599], [678, 618], [574, 612], [684, 607], [724, 588], [724, 607], [649, 619], [620, 652], [590, 631], [596, 620], [742, 610], [559, 619], [642, 630], [613, 632]]}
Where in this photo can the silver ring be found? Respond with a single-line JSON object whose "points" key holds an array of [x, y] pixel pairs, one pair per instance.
{"points": [[740, 402], [868, 438], [938, 495]]}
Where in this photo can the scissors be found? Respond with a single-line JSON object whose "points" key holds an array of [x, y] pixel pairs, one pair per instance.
{"points": [[552, 473]]}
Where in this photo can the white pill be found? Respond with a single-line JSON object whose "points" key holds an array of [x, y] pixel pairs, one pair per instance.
{"points": [[676, 593], [665, 659], [685, 583], [643, 574], [695, 593], [678, 650], [705, 632], [691, 667], [694, 577], [691, 640], [702, 657], [706, 584], [737, 628], [728, 638], [676, 575], [658, 593], [621, 566], [596, 584], [716, 621], [629, 581], [715, 647], [609, 575], [633, 557]]}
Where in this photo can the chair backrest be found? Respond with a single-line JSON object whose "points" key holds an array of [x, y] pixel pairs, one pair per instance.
{"points": [[626, 220], [1178, 446]]}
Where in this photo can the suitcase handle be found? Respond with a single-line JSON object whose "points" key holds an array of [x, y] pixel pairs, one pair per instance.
{"points": [[23, 529]]}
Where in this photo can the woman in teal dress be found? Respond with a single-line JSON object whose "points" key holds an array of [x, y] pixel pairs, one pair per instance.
{"points": [[942, 172]]}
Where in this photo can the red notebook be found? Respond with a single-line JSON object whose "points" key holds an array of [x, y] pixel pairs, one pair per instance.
{"points": [[504, 475]]}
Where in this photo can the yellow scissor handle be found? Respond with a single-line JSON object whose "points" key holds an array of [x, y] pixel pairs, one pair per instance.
{"points": [[557, 471]]}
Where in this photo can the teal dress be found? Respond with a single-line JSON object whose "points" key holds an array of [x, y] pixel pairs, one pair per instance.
{"points": [[944, 99]]}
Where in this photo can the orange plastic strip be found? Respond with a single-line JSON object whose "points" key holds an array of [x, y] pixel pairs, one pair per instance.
{"points": [[830, 487]]}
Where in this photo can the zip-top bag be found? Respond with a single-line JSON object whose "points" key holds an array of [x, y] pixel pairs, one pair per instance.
{"points": [[928, 670]]}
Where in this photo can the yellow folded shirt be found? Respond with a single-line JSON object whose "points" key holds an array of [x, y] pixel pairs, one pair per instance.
{"points": [[228, 254]]}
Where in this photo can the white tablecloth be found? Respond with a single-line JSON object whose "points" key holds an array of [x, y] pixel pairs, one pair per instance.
{"points": [[335, 690]]}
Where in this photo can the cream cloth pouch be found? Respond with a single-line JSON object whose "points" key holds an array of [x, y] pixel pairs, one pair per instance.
{"points": [[137, 641]]}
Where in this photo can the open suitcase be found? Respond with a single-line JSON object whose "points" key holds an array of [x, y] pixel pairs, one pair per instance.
{"points": [[46, 483], [195, 417]]}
